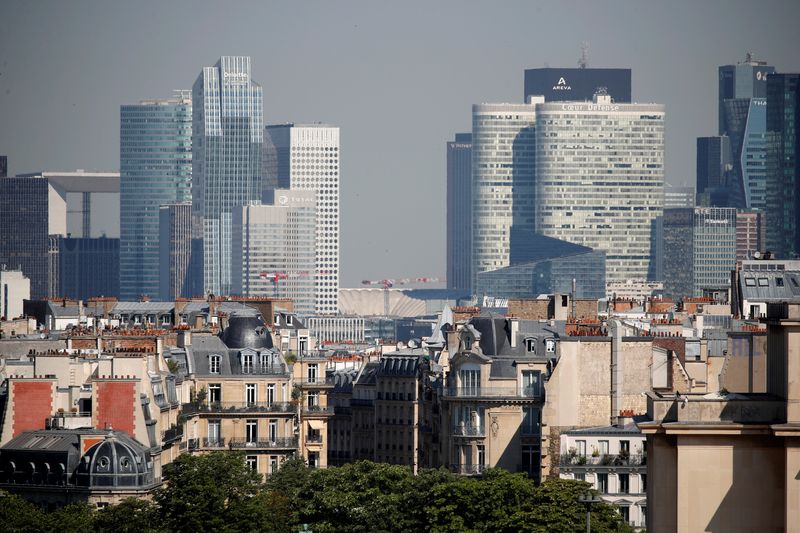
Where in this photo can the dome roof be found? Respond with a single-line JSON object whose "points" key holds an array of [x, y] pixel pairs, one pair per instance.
{"points": [[116, 461], [246, 331]]}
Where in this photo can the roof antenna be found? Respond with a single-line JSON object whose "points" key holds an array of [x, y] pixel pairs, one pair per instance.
{"points": [[584, 60]]}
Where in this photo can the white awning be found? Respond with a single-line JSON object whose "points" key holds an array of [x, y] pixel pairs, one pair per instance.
{"points": [[319, 425]]}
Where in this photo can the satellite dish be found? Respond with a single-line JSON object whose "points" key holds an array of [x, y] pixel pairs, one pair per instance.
{"points": [[412, 343], [756, 255], [400, 345]]}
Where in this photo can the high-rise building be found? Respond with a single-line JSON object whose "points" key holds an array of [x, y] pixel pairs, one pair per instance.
{"points": [[174, 252], [750, 233], [714, 167], [678, 246], [714, 248], [459, 211], [305, 157], [88, 267], [155, 160], [678, 196], [600, 180], [35, 207], [503, 159], [3, 166], [227, 145], [274, 249], [783, 165], [15, 288], [742, 89], [578, 84]]}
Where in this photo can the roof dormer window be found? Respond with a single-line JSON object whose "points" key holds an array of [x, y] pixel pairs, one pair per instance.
{"points": [[530, 346], [247, 363], [213, 364]]}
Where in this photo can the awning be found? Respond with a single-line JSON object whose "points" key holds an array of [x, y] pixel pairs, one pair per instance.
{"points": [[319, 425]]}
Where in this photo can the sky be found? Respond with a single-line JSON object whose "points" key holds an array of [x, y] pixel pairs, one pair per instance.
{"points": [[398, 78]]}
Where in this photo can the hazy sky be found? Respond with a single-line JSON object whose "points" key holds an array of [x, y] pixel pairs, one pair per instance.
{"points": [[399, 79]]}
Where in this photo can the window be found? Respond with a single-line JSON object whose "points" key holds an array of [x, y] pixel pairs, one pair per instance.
{"points": [[750, 282], [530, 460], [252, 462], [531, 383], [624, 484], [643, 510], [288, 320], [213, 364], [644, 484], [277, 321], [550, 345], [247, 363], [302, 345], [763, 282], [250, 394], [251, 431], [313, 399], [313, 459], [625, 514], [273, 464], [603, 447], [273, 430], [579, 476], [602, 483], [312, 373], [779, 282], [481, 455], [270, 393], [213, 432], [214, 393], [581, 445], [531, 420], [264, 363], [624, 447], [530, 345], [470, 382]]}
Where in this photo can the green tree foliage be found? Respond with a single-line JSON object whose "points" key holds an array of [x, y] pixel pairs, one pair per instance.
{"points": [[219, 492]]}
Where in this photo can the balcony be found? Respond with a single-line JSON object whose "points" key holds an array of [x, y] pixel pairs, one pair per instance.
{"points": [[214, 444], [316, 410], [468, 470], [493, 393], [314, 439], [266, 370], [469, 431], [568, 459], [238, 407], [327, 381], [361, 402], [264, 444], [172, 434]]}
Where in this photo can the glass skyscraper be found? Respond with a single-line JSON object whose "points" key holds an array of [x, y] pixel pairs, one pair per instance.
{"points": [[459, 211], [155, 169], [227, 143], [713, 248]]}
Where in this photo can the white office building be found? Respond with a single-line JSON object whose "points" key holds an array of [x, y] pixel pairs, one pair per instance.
{"points": [[600, 180], [273, 249], [503, 161], [305, 157]]}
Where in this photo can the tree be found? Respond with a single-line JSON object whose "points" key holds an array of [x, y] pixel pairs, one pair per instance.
{"points": [[19, 515], [73, 518], [129, 516], [206, 492]]}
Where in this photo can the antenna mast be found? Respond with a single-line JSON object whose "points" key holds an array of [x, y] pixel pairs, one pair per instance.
{"points": [[584, 60]]}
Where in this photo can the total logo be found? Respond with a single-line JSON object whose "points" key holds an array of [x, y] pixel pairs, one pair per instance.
{"points": [[562, 85]]}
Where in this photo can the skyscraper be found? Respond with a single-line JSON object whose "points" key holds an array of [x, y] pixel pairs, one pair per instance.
{"points": [[714, 248], [3, 166], [714, 167], [175, 252], [459, 211], [742, 88], [274, 249], [600, 180], [678, 234], [503, 158], [783, 165], [155, 168], [88, 267], [227, 144], [305, 157], [578, 84]]}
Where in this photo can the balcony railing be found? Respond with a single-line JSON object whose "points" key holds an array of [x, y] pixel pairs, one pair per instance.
{"points": [[468, 470], [238, 407], [217, 443], [492, 392], [568, 459], [361, 402], [326, 381], [267, 370], [172, 434], [314, 439], [317, 410], [280, 442], [469, 431]]}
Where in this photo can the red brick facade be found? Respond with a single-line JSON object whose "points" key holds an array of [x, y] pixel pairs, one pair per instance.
{"points": [[116, 405], [33, 403]]}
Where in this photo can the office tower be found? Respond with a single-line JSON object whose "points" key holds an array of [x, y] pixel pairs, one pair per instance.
{"points": [[678, 246], [36, 206], [15, 288], [3, 166], [155, 160], [88, 267], [503, 158], [714, 248], [274, 249], [678, 196], [600, 180], [714, 169], [578, 84], [783, 165], [306, 157], [227, 144], [174, 252], [742, 90], [459, 211], [750, 233]]}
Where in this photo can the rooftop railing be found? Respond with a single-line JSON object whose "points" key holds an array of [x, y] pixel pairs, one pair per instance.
{"points": [[279, 442], [238, 407], [493, 392], [469, 431], [568, 459]]}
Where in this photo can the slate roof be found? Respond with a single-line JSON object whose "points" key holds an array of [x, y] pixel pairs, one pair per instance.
{"points": [[766, 286]]}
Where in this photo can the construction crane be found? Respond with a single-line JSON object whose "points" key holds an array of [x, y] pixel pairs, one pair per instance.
{"points": [[389, 283]]}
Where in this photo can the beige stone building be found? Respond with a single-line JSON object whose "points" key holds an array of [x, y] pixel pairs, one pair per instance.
{"points": [[730, 462]]}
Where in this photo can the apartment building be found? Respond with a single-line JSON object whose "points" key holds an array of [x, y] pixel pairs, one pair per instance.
{"points": [[311, 386]]}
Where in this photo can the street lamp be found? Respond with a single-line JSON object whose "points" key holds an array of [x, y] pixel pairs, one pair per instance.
{"points": [[588, 500]]}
